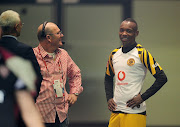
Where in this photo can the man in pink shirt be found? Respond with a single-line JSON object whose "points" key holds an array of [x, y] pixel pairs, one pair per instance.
{"points": [[56, 65]]}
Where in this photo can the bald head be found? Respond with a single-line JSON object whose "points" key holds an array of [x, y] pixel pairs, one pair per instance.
{"points": [[51, 39], [48, 29]]}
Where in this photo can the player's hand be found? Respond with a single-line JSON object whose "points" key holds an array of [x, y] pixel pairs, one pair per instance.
{"points": [[135, 101], [72, 98], [111, 105]]}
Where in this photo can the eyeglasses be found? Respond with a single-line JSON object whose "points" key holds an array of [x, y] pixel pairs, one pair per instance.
{"points": [[60, 32], [20, 24]]}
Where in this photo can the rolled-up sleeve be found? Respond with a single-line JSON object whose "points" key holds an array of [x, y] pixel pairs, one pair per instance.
{"points": [[74, 75]]}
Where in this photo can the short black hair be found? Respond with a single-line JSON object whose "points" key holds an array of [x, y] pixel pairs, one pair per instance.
{"points": [[132, 20]]}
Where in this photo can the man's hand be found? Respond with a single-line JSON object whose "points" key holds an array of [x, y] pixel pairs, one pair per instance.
{"points": [[135, 101], [72, 98], [111, 105]]}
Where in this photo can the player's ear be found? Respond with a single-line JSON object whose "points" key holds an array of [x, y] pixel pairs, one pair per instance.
{"points": [[136, 33]]}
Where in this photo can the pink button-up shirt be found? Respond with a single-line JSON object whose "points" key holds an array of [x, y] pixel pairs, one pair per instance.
{"points": [[52, 69]]}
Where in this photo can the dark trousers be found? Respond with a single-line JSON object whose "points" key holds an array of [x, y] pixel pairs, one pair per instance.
{"points": [[57, 123]]}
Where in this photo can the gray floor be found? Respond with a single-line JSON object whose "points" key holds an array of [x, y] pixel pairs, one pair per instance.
{"points": [[102, 125], [88, 125]]}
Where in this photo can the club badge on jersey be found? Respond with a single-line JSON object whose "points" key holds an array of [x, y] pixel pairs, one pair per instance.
{"points": [[131, 62]]}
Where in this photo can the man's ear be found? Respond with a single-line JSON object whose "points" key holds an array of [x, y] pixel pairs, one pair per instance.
{"points": [[136, 33], [48, 37], [16, 26]]}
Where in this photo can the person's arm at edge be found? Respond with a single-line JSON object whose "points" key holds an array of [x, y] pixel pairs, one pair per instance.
{"points": [[30, 55], [30, 114]]}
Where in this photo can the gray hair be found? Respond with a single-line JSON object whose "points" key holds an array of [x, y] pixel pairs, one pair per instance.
{"points": [[8, 19]]}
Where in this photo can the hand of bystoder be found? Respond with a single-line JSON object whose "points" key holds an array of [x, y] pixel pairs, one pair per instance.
{"points": [[72, 98]]}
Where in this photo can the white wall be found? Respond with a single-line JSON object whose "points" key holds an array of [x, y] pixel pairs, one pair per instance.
{"points": [[159, 33], [91, 33]]}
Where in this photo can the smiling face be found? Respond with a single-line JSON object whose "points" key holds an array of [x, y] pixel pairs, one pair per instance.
{"points": [[127, 33]]}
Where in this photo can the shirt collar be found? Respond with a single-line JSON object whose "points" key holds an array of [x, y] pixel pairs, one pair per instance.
{"points": [[127, 49], [44, 53], [10, 36]]}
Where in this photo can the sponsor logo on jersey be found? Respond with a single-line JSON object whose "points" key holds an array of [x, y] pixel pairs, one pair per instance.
{"points": [[121, 75], [155, 65], [119, 83], [131, 62]]}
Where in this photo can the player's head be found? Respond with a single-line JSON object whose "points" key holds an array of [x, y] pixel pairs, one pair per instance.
{"points": [[128, 31]]}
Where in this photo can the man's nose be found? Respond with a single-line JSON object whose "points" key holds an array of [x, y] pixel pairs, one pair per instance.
{"points": [[62, 35], [124, 33]]}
